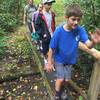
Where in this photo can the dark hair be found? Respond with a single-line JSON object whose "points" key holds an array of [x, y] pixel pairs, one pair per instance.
{"points": [[73, 10]]}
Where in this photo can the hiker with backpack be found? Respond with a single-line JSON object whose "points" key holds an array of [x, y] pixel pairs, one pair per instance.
{"points": [[36, 13], [45, 26], [35, 36]]}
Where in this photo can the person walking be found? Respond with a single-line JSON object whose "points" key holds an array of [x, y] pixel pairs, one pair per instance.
{"points": [[63, 46], [45, 26], [29, 9]]}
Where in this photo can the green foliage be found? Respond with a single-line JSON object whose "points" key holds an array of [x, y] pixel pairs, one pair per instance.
{"points": [[7, 22], [2, 42], [9, 6], [80, 98], [7, 25], [84, 65], [56, 7], [10, 12], [7, 15]]}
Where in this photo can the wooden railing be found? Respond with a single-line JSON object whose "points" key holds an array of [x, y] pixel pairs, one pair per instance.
{"points": [[94, 87]]}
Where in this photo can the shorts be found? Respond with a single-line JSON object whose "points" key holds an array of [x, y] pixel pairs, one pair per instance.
{"points": [[63, 71]]}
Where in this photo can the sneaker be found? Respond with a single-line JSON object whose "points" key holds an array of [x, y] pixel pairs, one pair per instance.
{"points": [[57, 98], [57, 95], [64, 95]]}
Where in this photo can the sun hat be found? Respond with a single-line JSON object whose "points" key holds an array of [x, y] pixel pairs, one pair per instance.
{"points": [[48, 1]]}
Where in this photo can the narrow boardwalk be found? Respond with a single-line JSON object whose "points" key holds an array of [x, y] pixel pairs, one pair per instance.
{"points": [[35, 87]]}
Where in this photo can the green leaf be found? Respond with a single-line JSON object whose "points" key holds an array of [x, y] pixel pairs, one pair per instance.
{"points": [[80, 98]]}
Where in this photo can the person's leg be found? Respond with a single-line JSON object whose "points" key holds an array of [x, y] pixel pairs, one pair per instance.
{"points": [[67, 77], [64, 90], [58, 85], [45, 46], [38, 45], [60, 78], [30, 27]]}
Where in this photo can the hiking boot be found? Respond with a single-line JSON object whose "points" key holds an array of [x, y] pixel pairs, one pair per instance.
{"points": [[64, 95]]}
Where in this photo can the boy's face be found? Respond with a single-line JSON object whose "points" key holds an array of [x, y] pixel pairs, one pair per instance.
{"points": [[30, 2], [40, 7], [47, 6], [72, 22]]}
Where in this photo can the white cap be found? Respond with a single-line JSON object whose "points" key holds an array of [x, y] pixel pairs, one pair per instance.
{"points": [[47, 1]]}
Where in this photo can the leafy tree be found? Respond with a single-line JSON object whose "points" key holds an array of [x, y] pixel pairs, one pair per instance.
{"points": [[8, 20]]}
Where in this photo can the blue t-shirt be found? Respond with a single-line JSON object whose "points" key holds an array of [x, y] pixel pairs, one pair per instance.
{"points": [[65, 44]]}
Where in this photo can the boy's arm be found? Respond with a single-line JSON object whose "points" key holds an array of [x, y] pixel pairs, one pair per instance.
{"points": [[25, 14], [24, 18], [50, 63], [33, 28], [95, 53], [89, 44]]}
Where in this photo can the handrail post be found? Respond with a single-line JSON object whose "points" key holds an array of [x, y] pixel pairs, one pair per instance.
{"points": [[94, 86]]}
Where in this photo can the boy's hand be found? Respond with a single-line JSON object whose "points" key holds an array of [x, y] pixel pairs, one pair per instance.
{"points": [[95, 36], [50, 68]]}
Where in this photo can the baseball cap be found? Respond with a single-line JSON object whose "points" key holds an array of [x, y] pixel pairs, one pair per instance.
{"points": [[47, 1]]}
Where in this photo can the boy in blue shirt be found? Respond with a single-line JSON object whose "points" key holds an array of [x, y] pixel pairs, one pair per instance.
{"points": [[64, 46]]}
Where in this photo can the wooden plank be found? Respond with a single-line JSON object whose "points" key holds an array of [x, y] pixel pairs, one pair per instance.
{"points": [[11, 77], [94, 87]]}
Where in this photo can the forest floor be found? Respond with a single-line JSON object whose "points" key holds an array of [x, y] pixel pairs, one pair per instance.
{"points": [[19, 77], [15, 63]]}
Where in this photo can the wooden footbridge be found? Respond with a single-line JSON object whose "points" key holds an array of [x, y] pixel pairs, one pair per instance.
{"points": [[94, 86]]}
